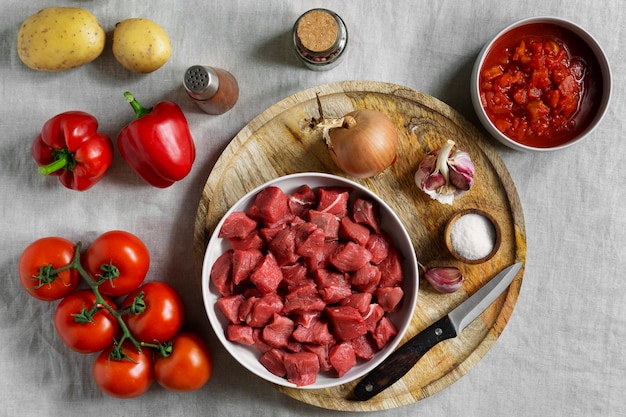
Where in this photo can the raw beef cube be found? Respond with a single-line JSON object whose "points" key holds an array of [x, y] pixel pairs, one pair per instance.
{"points": [[347, 323], [305, 318], [283, 246], [334, 200], [350, 257], [317, 333], [373, 316], [302, 200], [391, 270], [237, 225], [333, 286], [360, 301], [273, 360], [294, 274], [303, 298], [312, 245], [267, 276], [240, 333], [328, 222], [322, 355], [389, 298], [264, 309], [269, 233], [270, 206], [244, 262], [355, 232], [259, 343], [342, 357], [294, 346], [245, 308], [366, 212], [253, 241], [366, 279], [378, 245], [364, 347], [302, 368], [278, 331], [229, 306], [385, 331], [221, 273], [322, 259]]}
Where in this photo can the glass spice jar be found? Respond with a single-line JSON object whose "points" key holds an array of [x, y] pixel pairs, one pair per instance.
{"points": [[320, 38], [214, 90]]}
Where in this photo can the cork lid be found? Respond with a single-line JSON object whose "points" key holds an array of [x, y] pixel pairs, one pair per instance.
{"points": [[317, 31]]}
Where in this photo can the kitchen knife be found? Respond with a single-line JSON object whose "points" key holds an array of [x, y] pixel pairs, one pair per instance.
{"points": [[406, 356]]}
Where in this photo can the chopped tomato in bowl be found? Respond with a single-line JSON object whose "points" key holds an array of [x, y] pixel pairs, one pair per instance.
{"points": [[541, 84], [310, 280]]}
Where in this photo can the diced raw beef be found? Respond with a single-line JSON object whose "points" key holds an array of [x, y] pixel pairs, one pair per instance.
{"points": [[312, 245], [366, 279], [342, 357], [221, 273], [273, 360], [278, 331], [378, 244], [366, 212], [302, 200], [385, 331], [271, 206], [328, 222], [373, 316], [347, 323], [294, 346], [269, 233], [267, 276], [283, 246], [322, 355], [259, 343], [333, 286], [244, 262], [360, 301], [355, 232], [303, 298], [334, 200], [294, 274], [350, 257], [391, 270], [364, 347], [389, 298], [253, 241], [240, 333], [237, 225], [305, 318], [302, 368], [322, 259], [317, 333], [229, 306], [245, 308], [264, 309]]}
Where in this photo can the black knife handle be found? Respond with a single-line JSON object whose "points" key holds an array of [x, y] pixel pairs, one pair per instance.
{"points": [[403, 359]]}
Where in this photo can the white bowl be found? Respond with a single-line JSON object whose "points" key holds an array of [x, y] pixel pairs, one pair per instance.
{"points": [[249, 356], [602, 74]]}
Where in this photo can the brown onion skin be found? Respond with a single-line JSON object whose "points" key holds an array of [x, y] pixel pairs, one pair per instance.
{"points": [[366, 148]]}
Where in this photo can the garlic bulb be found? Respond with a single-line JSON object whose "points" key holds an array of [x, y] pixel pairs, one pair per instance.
{"points": [[445, 175]]}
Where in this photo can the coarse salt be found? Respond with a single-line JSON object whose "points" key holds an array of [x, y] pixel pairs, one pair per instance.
{"points": [[473, 236]]}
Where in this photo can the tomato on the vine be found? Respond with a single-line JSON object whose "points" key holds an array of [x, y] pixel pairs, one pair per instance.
{"points": [[188, 367], [120, 259], [37, 264], [153, 312], [83, 325], [127, 375]]}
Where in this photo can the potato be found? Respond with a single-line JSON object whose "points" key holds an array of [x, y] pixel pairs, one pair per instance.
{"points": [[60, 38], [141, 45]]}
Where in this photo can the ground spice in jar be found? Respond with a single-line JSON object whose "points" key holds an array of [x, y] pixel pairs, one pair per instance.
{"points": [[473, 236], [320, 38]]}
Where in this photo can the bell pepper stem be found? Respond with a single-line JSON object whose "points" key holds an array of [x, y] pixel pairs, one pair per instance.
{"points": [[60, 163], [139, 109]]}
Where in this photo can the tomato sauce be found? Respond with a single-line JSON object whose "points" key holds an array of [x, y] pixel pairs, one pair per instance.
{"points": [[543, 89]]}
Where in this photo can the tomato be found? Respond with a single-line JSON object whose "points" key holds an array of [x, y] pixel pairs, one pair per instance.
{"points": [[97, 330], [188, 367], [38, 259], [127, 253], [127, 377], [162, 316]]}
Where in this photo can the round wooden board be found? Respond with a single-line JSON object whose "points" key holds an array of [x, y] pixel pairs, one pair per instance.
{"points": [[278, 142]]}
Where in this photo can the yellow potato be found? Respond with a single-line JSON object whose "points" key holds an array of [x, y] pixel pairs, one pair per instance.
{"points": [[60, 38], [141, 45]]}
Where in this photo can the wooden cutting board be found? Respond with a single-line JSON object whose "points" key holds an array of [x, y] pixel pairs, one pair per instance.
{"points": [[277, 142]]}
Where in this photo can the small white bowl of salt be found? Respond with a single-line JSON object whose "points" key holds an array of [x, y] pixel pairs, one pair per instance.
{"points": [[472, 236]]}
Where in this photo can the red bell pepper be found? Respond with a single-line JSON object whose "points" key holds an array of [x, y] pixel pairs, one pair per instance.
{"points": [[70, 147], [158, 143]]}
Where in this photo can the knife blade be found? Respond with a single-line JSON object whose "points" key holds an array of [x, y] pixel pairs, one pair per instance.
{"points": [[406, 356]]}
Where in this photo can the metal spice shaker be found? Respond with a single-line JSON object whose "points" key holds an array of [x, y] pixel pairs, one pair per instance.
{"points": [[214, 90], [320, 38]]}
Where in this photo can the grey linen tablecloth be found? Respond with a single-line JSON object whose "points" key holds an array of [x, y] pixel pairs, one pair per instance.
{"points": [[562, 352]]}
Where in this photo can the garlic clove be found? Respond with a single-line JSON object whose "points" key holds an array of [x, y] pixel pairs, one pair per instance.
{"points": [[445, 279], [462, 170]]}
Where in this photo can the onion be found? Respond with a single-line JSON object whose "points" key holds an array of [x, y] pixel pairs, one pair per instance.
{"points": [[363, 143]]}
